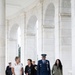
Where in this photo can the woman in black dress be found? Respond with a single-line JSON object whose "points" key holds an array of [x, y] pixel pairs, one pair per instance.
{"points": [[29, 69]]}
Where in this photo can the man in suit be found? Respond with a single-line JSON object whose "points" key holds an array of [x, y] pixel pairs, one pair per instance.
{"points": [[43, 67], [8, 69]]}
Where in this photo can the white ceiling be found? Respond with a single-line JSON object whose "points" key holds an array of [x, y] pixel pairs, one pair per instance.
{"points": [[14, 6]]}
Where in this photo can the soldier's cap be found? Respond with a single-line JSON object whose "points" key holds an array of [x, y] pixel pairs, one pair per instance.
{"points": [[9, 63], [43, 55]]}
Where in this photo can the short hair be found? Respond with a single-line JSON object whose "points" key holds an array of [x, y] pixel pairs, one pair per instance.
{"points": [[16, 58], [9, 63], [30, 60]]}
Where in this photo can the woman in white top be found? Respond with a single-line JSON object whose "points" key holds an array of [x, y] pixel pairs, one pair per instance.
{"points": [[17, 68]]}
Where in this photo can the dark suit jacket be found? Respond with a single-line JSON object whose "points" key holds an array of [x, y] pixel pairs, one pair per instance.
{"points": [[35, 67], [8, 71]]}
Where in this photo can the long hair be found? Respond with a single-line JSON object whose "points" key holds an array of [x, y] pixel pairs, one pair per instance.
{"points": [[60, 64]]}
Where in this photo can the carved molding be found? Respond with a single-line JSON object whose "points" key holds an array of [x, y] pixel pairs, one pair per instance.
{"points": [[11, 39], [30, 34], [48, 26], [65, 14], [13, 4]]}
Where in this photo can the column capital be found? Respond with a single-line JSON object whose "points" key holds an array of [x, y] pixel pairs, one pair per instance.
{"points": [[49, 26], [30, 34], [65, 14]]}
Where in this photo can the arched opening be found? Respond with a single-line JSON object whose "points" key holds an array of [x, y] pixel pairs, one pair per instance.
{"points": [[14, 43], [49, 15], [32, 39], [49, 33], [66, 36]]}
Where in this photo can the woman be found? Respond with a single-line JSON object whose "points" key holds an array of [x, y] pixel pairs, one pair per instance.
{"points": [[17, 68], [57, 68], [29, 69]]}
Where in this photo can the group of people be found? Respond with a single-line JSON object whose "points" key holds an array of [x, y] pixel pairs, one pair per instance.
{"points": [[42, 68]]}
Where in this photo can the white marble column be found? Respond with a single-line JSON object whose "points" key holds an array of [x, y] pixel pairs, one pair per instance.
{"points": [[6, 41], [31, 46], [73, 36], [41, 2], [65, 36], [57, 31], [2, 37], [23, 40]]}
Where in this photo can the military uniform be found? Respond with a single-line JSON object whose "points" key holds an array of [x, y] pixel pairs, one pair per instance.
{"points": [[35, 67], [43, 67]]}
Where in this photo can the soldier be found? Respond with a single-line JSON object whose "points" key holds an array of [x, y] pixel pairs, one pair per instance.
{"points": [[35, 67], [43, 67]]}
